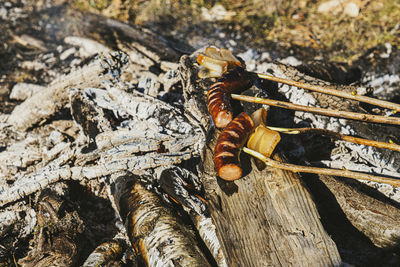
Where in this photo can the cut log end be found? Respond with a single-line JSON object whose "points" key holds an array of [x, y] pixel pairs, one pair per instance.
{"points": [[230, 172]]}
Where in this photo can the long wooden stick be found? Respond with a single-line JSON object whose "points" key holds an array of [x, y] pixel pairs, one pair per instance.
{"points": [[331, 91], [347, 138], [335, 172], [320, 111]]}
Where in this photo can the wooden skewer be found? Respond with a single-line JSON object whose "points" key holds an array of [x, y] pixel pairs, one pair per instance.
{"points": [[331, 91], [343, 137], [320, 111], [334, 172]]}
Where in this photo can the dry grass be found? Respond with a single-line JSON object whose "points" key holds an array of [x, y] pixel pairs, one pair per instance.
{"points": [[377, 23], [292, 22]]}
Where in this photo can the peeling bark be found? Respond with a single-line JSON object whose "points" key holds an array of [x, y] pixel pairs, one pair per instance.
{"points": [[106, 254], [154, 230]]}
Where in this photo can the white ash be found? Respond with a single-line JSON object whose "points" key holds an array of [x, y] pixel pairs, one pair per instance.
{"points": [[216, 13], [67, 53], [388, 47], [55, 96], [75, 63], [251, 57], [54, 152], [138, 58], [12, 13], [167, 66], [29, 184], [101, 98], [155, 112], [87, 47], [292, 61], [383, 85], [111, 139], [49, 59], [54, 138], [17, 216], [121, 153], [33, 65], [22, 91], [148, 84], [29, 41], [265, 56], [19, 155], [3, 13], [169, 79]]}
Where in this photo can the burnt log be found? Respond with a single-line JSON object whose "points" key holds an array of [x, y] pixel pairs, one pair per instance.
{"points": [[369, 212]]}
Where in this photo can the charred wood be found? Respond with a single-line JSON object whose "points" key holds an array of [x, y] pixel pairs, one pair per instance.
{"points": [[58, 241], [373, 215], [50, 100]]}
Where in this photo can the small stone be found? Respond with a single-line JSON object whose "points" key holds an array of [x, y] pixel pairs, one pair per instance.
{"points": [[4, 91], [3, 13], [249, 55], [216, 13], [291, 61], [87, 46], [351, 9], [22, 91], [333, 6], [232, 42]]}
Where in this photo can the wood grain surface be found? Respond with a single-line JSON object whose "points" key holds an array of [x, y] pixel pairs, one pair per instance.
{"points": [[267, 218]]}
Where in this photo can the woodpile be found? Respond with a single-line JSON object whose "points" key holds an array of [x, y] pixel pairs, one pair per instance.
{"points": [[111, 164]]}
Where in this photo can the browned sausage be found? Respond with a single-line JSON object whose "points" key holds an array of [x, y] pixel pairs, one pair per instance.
{"points": [[219, 95], [229, 145]]}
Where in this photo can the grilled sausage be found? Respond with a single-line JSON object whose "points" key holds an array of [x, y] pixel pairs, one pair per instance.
{"points": [[229, 145], [219, 95]]}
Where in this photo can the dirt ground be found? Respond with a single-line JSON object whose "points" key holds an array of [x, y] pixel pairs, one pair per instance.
{"points": [[341, 29]]}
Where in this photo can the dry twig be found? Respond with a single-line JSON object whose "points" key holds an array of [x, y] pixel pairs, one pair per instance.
{"points": [[320, 111], [351, 139], [331, 91], [335, 172]]}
